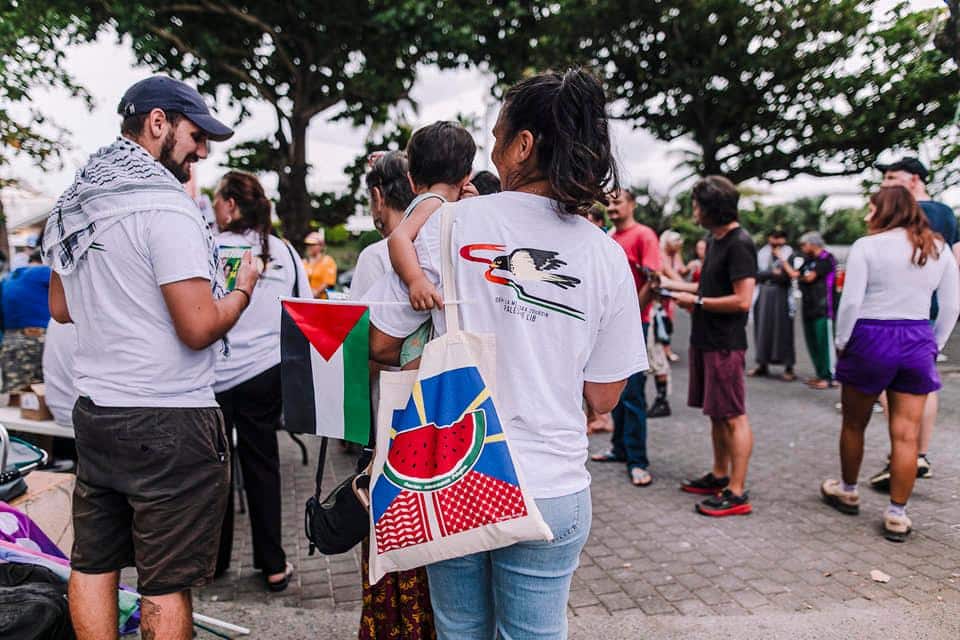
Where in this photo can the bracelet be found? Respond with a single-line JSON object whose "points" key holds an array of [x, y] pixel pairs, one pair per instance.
{"points": [[699, 301], [244, 293]]}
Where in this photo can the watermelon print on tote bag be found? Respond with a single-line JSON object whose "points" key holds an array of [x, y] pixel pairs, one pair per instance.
{"points": [[444, 482]]}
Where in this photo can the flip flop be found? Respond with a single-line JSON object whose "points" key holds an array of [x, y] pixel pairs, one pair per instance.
{"points": [[606, 456], [788, 377], [758, 372], [640, 477], [280, 585]]}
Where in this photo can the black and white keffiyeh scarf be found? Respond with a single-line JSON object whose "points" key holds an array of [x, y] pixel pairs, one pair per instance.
{"points": [[119, 180]]}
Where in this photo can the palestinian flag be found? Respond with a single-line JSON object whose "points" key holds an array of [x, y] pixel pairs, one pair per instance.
{"points": [[325, 352]]}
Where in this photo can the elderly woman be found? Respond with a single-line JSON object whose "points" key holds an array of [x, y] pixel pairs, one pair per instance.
{"points": [[817, 278], [399, 605], [581, 337]]}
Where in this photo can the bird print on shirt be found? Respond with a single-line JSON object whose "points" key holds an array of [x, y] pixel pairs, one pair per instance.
{"points": [[533, 265], [525, 265]]}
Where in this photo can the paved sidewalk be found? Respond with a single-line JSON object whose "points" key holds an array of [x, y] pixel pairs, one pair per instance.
{"points": [[794, 568]]}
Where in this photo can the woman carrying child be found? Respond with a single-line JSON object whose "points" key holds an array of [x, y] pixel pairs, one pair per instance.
{"points": [[561, 300]]}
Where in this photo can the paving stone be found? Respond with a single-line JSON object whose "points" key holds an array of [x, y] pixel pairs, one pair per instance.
{"points": [[693, 607], [713, 595], [768, 587], [749, 598], [604, 585], [674, 592], [617, 601], [582, 598], [656, 606]]}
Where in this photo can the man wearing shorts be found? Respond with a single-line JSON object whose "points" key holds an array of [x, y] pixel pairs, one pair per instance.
{"points": [[719, 304], [134, 269]]}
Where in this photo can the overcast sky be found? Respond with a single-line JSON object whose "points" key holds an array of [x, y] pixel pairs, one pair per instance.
{"points": [[106, 69]]}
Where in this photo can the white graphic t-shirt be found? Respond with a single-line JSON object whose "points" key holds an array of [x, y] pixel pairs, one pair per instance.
{"points": [[129, 354], [255, 339], [560, 298]]}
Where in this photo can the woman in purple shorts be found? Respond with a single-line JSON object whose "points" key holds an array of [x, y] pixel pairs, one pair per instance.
{"points": [[885, 342]]}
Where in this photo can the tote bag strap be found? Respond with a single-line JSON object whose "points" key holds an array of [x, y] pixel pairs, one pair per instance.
{"points": [[451, 311]]}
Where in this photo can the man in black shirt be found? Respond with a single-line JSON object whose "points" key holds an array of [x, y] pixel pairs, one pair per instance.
{"points": [[719, 304]]}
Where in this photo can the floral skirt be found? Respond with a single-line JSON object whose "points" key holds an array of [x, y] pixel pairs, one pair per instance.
{"points": [[397, 607]]}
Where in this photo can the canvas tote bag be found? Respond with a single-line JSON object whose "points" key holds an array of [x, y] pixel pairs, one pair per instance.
{"points": [[444, 481]]}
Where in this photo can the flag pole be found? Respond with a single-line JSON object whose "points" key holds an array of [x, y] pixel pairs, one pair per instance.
{"points": [[359, 303]]}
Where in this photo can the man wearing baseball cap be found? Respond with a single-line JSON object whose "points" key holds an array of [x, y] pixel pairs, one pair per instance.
{"points": [[134, 269], [910, 173]]}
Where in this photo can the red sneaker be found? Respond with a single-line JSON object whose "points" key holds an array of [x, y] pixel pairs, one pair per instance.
{"points": [[708, 485], [725, 504]]}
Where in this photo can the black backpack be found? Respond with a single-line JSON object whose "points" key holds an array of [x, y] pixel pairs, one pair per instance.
{"points": [[33, 604]]}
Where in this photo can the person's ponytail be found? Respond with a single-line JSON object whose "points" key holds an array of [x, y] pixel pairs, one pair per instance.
{"points": [[254, 206], [567, 116]]}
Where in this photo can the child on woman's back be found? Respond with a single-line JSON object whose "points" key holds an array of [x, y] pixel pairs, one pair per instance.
{"points": [[440, 157]]}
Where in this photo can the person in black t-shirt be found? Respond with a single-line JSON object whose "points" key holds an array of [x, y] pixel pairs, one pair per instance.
{"points": [[719, 304]]}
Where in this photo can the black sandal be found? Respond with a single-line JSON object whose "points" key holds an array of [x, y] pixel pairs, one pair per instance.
{"points": [[281, 585]]}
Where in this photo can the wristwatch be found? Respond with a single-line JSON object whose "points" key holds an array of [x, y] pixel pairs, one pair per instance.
{"points": [[699, 301]]}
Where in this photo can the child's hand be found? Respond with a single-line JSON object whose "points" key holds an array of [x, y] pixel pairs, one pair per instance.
{"points": [[424, 296], [468, 190]]}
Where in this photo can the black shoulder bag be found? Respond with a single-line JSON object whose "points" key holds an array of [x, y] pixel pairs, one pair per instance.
{"points": [[334, 524]]}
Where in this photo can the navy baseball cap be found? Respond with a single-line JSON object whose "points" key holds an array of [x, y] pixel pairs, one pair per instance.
{"points": [[908, 164], [163, 92]]}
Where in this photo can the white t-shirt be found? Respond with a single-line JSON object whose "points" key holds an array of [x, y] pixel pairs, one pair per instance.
{"points": [[59, 352], [560, 298], [372, 263], [882, 283], [255, 339], [129, 354]]}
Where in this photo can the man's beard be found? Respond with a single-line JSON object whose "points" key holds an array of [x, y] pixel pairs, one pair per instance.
{"points": [[180, 171]]}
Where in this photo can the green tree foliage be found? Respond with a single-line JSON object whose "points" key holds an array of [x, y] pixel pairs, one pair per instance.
{"points": [[307, 58], [32, 40], [33, 36], [765, 89], [841, 226]]}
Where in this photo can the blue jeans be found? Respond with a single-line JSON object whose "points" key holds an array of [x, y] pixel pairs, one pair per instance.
{"points": [[516, 592], [630, 423]]}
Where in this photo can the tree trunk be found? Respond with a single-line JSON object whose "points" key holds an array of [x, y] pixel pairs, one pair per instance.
{"points": [[708, 160], [293, 208], [4, 239]]}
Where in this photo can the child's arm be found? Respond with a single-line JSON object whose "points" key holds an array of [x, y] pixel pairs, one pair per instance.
{"points": [[403, 257]]}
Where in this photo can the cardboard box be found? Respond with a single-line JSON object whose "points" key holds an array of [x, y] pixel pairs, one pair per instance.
{"points": [[33, 404]]}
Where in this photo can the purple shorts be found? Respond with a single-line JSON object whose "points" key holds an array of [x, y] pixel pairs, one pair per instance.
{"points": [[717, 383], [899, 355]]}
